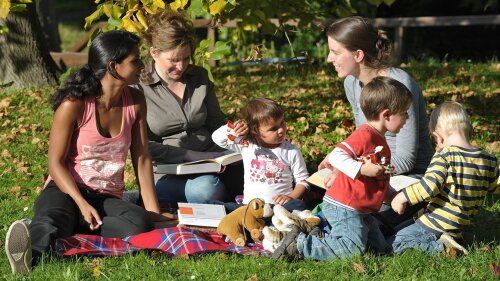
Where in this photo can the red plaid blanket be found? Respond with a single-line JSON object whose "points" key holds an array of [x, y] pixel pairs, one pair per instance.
{"points": [[172, 241]]}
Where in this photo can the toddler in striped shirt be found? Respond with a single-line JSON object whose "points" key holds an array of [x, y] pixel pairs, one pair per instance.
{"points": [[454, 185]]}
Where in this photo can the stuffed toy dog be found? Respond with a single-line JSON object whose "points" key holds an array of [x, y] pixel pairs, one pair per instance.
{"points": [[247, 217], [283, 220]]}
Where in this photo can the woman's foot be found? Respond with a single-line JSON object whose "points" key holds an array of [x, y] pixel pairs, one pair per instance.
{"points": [[18, 247]]}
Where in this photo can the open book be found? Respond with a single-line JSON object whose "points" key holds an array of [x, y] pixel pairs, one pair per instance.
{"points": [[200, 214], [215, 165], [397, 182]]}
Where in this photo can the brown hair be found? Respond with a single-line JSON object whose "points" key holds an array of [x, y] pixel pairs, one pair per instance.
{"points": [[384, 93], [168, 30], [450, 117], [258, 111], [357, 33]]}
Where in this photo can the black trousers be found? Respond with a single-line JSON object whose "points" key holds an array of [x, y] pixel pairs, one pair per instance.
{"points": [[58, 216]]}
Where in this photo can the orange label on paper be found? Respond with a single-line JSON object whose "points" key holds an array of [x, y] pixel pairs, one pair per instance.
{"points": [[186, 210]]}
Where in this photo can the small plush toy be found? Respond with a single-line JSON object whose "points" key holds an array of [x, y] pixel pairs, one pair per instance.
{"points": [[247, 217], [283, 221], [231, 136]]}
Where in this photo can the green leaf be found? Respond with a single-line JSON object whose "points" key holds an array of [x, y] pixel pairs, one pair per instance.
{"points": [[207, 67], [259, 14], [389, 2], [17, 7], [221, 49], [268, 28], [108, 9], [205, 43], [94, 16], [115, 22], [117, 11]]}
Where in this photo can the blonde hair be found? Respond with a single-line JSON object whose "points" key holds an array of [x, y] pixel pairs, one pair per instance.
{"points": [[357, 33], [450, 117], [384, 93]]}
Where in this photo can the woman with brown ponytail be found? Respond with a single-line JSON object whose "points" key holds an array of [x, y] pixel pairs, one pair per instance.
{"points": [[360, 52]]}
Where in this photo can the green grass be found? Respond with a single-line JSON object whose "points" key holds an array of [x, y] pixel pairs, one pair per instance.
{"points": [[317, 116]]}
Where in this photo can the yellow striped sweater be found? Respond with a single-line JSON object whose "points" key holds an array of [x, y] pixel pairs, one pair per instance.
{"points": [[455, 185]]}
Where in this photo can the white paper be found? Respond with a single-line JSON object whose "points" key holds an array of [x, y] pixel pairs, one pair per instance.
{"points": [[399, 182], [200, 214]]}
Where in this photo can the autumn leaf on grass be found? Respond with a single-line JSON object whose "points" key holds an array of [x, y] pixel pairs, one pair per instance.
{"points": [[472, 271], [96, 271], [15, 190], [495, 268], [5, 102], [253, 278], [358, 267]]}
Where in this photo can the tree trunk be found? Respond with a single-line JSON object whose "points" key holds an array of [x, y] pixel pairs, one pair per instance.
{"points": [[25, 59], [48, 21]]}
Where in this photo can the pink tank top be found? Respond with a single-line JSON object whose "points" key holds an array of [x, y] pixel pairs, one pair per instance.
{"points": [[97, 163]]}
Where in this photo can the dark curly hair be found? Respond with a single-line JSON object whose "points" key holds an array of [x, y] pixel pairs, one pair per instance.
{"points": [[111, 46], [257, 112]]}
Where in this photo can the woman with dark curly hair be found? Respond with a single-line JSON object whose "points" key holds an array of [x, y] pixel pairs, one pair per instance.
{"points": [[98, 120]]}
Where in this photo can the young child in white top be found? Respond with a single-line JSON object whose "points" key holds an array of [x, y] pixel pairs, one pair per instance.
{"points": [[272, 164]]}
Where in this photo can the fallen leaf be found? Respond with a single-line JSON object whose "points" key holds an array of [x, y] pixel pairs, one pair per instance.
{"points": [[35, 140], [472, 271], [96, 271], [495, 268], [360, 268], [451, 253], [15, 189], [486, 249], [253, 278], [5, 102]]}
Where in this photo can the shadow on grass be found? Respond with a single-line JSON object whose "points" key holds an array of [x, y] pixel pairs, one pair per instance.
{"points": [[484, 229]]}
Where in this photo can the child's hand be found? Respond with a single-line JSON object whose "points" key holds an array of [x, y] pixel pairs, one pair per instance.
{"points": [[330, 178], [371, 170], [398, 203], [281, 199], [325, 164], [240, 128]]}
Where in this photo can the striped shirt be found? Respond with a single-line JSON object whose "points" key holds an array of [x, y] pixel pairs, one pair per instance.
{"points": [[455, 185]]}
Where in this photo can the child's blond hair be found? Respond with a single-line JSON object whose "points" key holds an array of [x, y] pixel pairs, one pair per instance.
{"points": [[450, 117], [384, 93]]}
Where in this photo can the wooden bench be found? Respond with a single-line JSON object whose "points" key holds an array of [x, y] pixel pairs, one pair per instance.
{"points": [[74, 58]]}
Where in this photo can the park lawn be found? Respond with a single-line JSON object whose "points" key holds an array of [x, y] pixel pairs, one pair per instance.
{"points": [[318, 116]]}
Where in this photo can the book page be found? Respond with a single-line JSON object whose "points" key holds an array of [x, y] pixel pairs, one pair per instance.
{"points": [[318, 178], [229, 158], [399, 182], [200, 214]]}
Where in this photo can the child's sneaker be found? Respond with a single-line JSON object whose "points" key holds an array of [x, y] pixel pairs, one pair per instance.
{"points": [[450, 243], [288, 247], [18, 247]]}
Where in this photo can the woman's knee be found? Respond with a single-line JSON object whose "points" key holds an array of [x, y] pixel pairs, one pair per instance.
{"points": [[132, 222], [205, 188], [171, 189]]}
